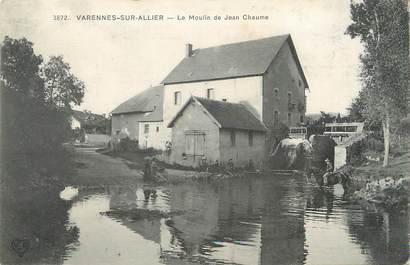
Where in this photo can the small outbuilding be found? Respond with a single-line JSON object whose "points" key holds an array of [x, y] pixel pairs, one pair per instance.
{"points": [[210, 131], [146, 106]]}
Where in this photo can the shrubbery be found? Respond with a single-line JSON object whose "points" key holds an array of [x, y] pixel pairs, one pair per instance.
{"points": [[36, 101]]}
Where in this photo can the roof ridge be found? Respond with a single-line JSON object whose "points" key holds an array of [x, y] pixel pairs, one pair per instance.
{"points": [[242, 42], [127, 106]]}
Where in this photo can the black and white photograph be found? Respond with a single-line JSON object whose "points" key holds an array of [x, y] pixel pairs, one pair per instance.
{"points": [[181, 132]]}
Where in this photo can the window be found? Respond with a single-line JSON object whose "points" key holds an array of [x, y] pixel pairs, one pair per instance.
{"points": [[177, 98], [276, 116], [289, 98], [276, 92], [250, 138], [233, 138], [301, 118], [157, 129], [300, 83], [210, 93], [146, 128], [289, 118]]}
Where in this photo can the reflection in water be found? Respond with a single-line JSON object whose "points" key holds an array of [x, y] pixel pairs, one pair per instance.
{"points": [[40, 219], [383, 236], [241, 221]]}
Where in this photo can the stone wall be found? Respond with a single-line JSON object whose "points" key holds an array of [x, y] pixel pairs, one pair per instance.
{"points": [[242, 151], [127, 124], [282, 76], [340, 156], [245, 90], [155, 137]]}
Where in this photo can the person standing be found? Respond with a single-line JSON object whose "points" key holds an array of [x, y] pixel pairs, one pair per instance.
{"points": [[329, 170]]}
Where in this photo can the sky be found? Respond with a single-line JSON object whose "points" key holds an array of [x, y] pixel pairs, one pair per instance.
{"points": [[117, 60]]}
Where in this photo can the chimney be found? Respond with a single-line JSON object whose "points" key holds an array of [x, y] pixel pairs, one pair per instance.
{"points": [[188, 50]]}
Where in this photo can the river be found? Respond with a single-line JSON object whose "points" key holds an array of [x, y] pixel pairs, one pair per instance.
{"points": [[270, 220]]}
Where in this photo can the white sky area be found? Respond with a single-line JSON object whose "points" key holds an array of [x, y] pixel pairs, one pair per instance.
{"points": [[116, 60]]}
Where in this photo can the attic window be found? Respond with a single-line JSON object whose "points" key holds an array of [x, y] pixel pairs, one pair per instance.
{"points": [[177, 98], [210, 93], [300, 83]]}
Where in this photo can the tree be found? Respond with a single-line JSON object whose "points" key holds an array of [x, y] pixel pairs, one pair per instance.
{"points": [[62, 88], [20, 68], [35, 106], [382, 26], [357, 109]]}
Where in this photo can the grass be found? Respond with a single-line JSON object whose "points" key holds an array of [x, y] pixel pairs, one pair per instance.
{"points": [[399, 165], [135, 159]]}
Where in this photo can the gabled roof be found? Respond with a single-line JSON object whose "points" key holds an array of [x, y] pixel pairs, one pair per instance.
{"points": [[148, 100], [249, 58], [227, 115], [155, 115]]}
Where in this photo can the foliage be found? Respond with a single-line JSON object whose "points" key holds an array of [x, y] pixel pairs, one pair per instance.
{"points": [[62, 88], [317, 126], [32, 126], [126, 144], [20, 68], [357, 109], [382, 27]]}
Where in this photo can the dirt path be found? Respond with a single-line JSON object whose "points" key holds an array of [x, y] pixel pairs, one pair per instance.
{"points": [[96, 169]]}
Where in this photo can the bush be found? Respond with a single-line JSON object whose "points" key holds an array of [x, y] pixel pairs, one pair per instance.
{"points": [[126, 144], [373, 144]]}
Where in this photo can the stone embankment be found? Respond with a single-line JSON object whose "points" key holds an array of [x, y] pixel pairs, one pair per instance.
{"points": [[390, 192]]}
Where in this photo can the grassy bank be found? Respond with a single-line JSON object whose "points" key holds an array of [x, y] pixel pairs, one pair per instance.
{"points": [[399, 166], [134, 159]]}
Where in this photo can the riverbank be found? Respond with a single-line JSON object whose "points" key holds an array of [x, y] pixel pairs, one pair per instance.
{"points": [[388, 187], [399, 166], [161, 172], [96, 169], [133, 159]]}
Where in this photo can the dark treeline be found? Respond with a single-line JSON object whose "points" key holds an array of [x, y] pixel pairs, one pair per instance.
{"points": [[36, 101]]}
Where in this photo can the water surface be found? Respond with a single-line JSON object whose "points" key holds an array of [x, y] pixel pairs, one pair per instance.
{"points": [[247, 221], [275, 220]]}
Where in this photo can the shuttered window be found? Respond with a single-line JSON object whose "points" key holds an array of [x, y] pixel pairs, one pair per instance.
{"points": [[195, 143]]}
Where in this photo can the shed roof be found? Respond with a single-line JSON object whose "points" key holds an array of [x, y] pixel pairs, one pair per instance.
{"points": [[241, 59], [228, 115], [149, 100]]}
